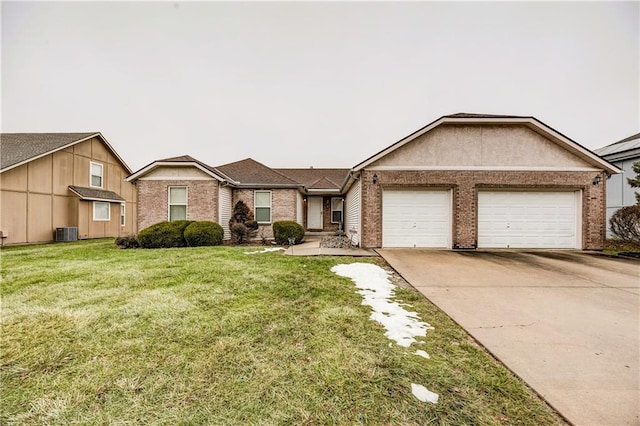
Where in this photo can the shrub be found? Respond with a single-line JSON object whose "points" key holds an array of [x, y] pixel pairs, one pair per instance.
{"points": [[239, 233], [203, 233], [286, 229], [164, 234], [127, 241], [242, 215], [625, 224]]}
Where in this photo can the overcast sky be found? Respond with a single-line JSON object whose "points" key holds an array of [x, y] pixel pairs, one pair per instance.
{"points": [[322, 84]]}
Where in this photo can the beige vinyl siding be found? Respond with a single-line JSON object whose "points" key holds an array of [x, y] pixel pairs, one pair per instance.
{"points": [[299, 212], [226, 208], [353, 213]]}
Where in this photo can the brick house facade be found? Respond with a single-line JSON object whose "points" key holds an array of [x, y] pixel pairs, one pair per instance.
{"points": [[464, 181], [202, 200], [465, 187]]}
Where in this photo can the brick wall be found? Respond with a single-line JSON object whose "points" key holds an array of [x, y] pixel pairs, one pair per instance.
{"points": [[283, 206], [465, 185], [326, 215], [202, 201]]}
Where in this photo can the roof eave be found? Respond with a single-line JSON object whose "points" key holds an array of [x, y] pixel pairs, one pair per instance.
{"points": [[86, 198], [149, 167], [531, 122]]}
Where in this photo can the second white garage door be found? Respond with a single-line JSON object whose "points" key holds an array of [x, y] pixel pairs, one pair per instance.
{"points": [[416, 218], [528, 219]]}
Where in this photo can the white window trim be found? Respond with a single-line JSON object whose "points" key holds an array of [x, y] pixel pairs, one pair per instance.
{"points": [[186, 203], [91, 164], [341, 210], [255, 194], [108, 211], [123, 214]]}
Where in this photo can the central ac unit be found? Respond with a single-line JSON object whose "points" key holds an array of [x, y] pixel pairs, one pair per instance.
{"points": [[69, 233]]}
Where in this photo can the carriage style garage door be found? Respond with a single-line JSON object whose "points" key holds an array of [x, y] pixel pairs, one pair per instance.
{"points": [[416, 218], [528, 219]]}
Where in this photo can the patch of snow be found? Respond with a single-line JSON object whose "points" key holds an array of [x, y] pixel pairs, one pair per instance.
{"points": [[377, 291], [424, 394], [422, 353], [266, 250]]}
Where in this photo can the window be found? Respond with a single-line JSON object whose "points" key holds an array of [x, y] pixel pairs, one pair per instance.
{"points": [[262, 203], [122, 216], [96, 175], [177, 203], [336, 210], [101, 211]]}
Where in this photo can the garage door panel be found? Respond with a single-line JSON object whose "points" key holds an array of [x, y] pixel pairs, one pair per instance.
{"points": [[416, 218], [527, 220]]}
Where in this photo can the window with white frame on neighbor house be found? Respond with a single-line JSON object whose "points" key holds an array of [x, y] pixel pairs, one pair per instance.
{"points": [[177, 203], [336, 209], [262, 206], [122, 214], [95, 172], [101, 211]]}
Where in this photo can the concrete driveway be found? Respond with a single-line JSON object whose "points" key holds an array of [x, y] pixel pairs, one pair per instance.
{"points": [[566, 322]]}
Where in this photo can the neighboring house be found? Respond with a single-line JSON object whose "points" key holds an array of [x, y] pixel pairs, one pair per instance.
{"points": [[186, 188], [59, 180], [465, 181], [622, 154], [471, 181]]}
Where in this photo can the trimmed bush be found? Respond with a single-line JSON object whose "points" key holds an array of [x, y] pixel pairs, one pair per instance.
{"points": [[239, 233], [127, 242], [285, 229], [625, 224], [203, 233], [164, 234]]}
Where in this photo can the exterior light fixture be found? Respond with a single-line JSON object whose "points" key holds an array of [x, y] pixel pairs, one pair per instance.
{"points": [[375, 178], [596, 180]]}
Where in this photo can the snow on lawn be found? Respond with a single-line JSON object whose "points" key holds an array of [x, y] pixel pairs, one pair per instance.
{"points": [[265, 250], [402, 326], [424, 394], [377, 291], [422, 353]]}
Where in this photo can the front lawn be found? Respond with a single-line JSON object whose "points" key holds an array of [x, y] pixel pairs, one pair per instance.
{"points": [[93, 334]]}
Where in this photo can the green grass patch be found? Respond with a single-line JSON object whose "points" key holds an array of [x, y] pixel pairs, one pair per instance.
{"points": [[93, 334]]}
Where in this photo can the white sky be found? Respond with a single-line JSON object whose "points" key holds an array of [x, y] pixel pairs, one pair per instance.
{"points": [[322, 84]]}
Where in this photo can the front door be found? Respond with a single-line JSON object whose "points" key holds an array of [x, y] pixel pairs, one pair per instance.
{"points": [[314, 213]]}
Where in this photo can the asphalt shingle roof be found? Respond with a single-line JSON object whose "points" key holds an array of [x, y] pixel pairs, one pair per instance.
{"points": [[617, 149], [472, 115], [16, 148], [94, 193], [251, 172], [317, 178]]}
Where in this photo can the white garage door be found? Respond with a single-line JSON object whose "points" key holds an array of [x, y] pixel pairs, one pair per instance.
{"points": [[416, 218], [528, 219]]}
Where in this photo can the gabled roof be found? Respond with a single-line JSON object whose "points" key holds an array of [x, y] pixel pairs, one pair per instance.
{"points": [[183, 161], [250, 173], [621, 150], [17, 149], [93, 194], [470, 118], [313, 178]]}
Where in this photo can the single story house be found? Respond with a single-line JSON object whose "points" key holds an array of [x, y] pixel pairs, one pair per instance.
{"points": [[621, 154], [186, 188], [464, 181], [73, 181]]}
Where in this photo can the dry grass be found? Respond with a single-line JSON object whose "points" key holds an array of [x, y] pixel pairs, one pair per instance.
{"points": [[96, 335]]}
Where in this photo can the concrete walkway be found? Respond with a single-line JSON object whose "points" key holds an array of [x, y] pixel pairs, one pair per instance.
{"points": [[566, 322], [311, 247]]}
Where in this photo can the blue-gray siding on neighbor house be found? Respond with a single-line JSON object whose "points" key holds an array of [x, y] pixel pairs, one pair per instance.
{"points": [[619, 193]]}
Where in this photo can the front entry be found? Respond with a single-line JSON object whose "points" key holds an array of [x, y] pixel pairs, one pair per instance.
{"points": [[314, 213]]}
